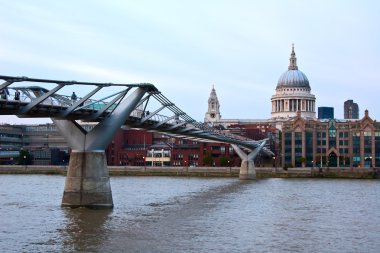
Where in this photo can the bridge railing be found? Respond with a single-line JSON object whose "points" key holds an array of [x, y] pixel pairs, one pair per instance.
{"points": [[28, 95], [138, 113]]}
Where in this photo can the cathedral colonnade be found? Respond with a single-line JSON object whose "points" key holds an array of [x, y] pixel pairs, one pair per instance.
{"points": [[293, 105]]}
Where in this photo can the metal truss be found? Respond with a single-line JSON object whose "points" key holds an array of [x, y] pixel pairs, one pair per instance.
{"points": [[154, 112]]}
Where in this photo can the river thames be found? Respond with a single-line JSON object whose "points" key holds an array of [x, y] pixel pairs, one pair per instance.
{"points": [[180, 214]]}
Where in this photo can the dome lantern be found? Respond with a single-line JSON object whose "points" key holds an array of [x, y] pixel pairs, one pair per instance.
{"points": [[293, 60]]}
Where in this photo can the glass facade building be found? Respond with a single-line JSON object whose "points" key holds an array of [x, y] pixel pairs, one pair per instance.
{"points": [[351, 110], [325, 112]]}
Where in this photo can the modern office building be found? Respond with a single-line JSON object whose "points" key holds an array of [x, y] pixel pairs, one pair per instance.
{"points": [[11, 142], [40, 144], [351, 110], [32, 144], [325, 112]]}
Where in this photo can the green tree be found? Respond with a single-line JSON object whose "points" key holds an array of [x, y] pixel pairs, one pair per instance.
{"points": [[301, 160], [207, 159], [223, 161]]}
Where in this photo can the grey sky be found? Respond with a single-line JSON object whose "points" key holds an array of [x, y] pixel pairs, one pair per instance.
{"points": [[183, 47]]}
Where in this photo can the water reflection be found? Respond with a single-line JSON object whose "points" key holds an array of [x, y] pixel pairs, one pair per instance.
{"points": [[175, 224], [86, 229]]}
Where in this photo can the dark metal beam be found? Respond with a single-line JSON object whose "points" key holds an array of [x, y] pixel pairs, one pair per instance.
{"points": [[40, 99]]}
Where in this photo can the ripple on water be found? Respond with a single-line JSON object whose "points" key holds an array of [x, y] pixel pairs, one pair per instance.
{"points": [[160, 214]]}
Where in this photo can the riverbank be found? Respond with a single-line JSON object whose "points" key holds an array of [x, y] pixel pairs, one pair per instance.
{"points": [[356, 173]]}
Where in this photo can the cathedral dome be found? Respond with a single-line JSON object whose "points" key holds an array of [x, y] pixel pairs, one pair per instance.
{"points": [[293, 77]]}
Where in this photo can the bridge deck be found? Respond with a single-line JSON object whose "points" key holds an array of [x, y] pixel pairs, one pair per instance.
{"points": [[154, 112]]}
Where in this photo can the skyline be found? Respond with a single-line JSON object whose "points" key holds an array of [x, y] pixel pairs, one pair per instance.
{"points": [[184, 48]]}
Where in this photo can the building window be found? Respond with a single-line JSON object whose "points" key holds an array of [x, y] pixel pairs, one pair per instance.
{"points": [[193, 157], [178, 157], [309, 149], [377, 149], [298, 149], [367, 148], [288, 148], [356, 148], [332, 134]]}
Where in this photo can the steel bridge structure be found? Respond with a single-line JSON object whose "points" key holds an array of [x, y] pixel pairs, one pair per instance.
{"points": [[109, 106]]}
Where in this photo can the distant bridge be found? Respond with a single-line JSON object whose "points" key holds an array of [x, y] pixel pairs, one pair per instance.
{"points": [[111, 105]]}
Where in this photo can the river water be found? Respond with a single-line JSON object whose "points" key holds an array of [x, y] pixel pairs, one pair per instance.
{"points": [[179, 214]]}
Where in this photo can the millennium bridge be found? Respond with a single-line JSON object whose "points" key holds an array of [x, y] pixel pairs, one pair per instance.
{"points": [[109, 106]]}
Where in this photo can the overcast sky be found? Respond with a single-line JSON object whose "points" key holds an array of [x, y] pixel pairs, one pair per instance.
{"points": [[184, 47]]}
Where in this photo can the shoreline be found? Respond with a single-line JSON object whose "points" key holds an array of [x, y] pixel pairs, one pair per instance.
{"points": [[261, 172]]}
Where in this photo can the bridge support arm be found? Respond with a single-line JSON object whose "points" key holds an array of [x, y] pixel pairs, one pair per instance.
{"points": [[5, 85], [41, 99], [247, 167], [240, 152]]}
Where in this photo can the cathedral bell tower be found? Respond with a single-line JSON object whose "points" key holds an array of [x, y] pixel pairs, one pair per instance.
{"points": [[213, 114]]}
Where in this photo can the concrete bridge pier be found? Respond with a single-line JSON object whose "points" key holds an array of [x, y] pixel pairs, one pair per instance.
{"points": [[87, 182], [247, 167], [247, 170]]}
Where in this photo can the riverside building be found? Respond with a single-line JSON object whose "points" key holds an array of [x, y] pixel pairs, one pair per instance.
{"points": [[40, 144], [331, 142], [32, 144]]}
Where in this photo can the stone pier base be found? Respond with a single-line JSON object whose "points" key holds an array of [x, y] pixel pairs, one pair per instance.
{"points": [[247, 170], [87, 182]]}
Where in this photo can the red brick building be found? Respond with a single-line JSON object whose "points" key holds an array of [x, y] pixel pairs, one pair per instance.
{"points": [[131, 147]]}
